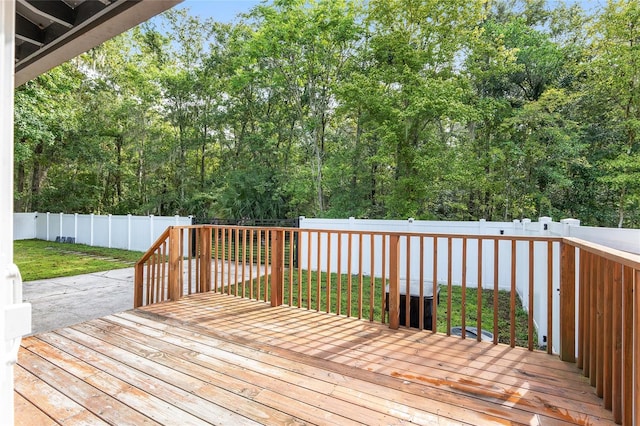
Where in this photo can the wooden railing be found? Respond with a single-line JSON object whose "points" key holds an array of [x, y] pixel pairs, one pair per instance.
{"points": [[606, 315], [480, 279]]}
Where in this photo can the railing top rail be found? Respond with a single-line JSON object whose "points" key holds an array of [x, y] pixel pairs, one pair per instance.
{"points": [[155, 246], [379, 233], [627, 259]]}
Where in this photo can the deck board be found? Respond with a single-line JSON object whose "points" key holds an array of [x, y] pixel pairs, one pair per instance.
{"points": [[218, 359]]}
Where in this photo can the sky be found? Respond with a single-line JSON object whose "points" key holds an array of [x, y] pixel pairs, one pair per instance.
{"points": [[220, 10], [227, 10]]}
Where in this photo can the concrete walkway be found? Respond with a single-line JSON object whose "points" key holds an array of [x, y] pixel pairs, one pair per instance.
{"points": [[60, 302]]}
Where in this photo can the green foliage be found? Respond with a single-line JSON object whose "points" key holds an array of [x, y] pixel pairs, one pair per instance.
{"points": [[381, 109]]}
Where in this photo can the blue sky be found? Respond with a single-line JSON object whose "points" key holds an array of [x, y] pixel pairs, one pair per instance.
{"points": [[227, 10], [220, 10]]}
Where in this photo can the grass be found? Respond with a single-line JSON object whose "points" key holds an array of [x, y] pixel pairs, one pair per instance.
{"points": [[371, 307], [38, 259]]}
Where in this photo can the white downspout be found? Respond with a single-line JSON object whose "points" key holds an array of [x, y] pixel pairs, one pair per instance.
{"points": [[15, 316]]}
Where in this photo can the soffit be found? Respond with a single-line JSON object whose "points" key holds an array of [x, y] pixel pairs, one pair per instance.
{"points": [[50, 32]]}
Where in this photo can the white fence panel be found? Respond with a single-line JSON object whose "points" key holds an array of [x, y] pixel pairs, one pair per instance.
{"points": [[119, 232], [621, 239], [85, 225], [124, 232], [101, 231], [24, 226]]}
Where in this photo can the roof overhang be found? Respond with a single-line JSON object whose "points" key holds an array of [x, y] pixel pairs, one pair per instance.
{"points": [[50, 32]]}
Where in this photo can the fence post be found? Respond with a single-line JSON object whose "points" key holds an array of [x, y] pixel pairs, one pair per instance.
{"points": [[277, 266], [150, 230], [129, 231], [567, 302], [205, 258], [75, 228], [48, 233], [394, 282], [60, 231], [110, 229], [91, 226], [174, 264]]}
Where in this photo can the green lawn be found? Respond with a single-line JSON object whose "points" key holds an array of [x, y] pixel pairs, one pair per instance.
{"points": [[39, 259]]}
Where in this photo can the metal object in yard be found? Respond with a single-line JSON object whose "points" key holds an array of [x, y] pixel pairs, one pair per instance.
{"points": [[472, 333]]}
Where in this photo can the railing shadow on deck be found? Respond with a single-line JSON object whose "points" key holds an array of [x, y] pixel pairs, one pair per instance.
{"points": [[580, 298]]}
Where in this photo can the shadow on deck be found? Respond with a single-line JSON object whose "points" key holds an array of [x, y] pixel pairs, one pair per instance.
{"points": [[218, 359]]}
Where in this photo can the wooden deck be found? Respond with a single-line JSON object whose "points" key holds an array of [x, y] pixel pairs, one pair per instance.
{"points": [[217, 359]]}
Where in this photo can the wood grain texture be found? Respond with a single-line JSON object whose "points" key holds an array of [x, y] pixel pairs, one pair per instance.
{"points": [[218, 359]]}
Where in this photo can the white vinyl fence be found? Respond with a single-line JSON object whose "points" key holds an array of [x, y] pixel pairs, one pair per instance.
{"points": [[123, 232], [622, 239]]}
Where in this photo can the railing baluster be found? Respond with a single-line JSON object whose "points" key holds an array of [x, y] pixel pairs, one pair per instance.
{"points": [[291, 237], [180, 235], [434, 310], [567, 303], [384, 278], [593, 309], [530, 322], [228, 255], [163, 267], [582, 292], [496, 289], [328, 274], [407, 284], [268, 263], [236, 256], [600, 328], [259, 263], [300, 272], [309, 270], [627, 344], [394, 282], [449, 283], [251, 262], [319, 272], [512, 298], [607, 356], [224, 286], [244, 263], [205, 238], [360, 280], [463, 308], [479, 293], [190, 256], [421, 323], [372, 280], [149, 282], [549, 297], [156, 277], [339, 280], [216, 255], [616, 328]]}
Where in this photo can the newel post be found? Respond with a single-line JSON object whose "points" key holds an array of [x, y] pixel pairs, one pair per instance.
{"points": [[394, 282], [174, 263], [138, 285], [205, 258], [277, 266], [567, 302]]}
